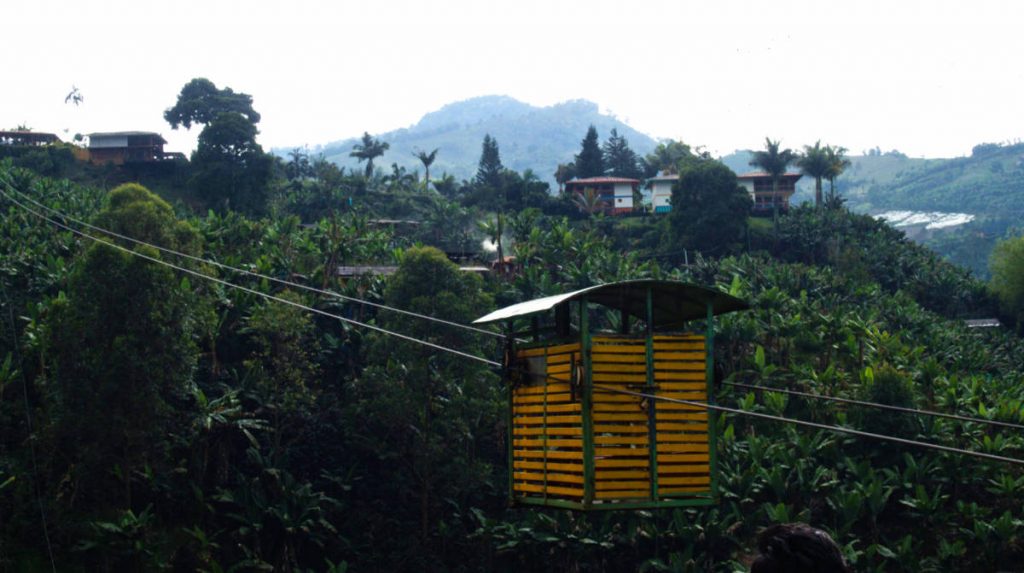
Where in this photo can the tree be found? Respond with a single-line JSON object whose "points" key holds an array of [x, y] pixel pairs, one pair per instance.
{"points": [[1006, 264], [709, 208], [590, 161], [589, 201], [815, 162], [668, 156], [774, 162], [564, 173], [489, 168], [201, 102], [231, 171], [427, 159], [367, 150], [838, 163], [619, 159]]}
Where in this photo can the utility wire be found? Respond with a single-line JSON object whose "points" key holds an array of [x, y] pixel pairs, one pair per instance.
{"points": [[249, 290], [246, 272], [877, 405], [701, 405], [816, 425]]}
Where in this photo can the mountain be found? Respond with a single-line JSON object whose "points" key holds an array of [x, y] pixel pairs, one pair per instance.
{"points": [[529, 137]]}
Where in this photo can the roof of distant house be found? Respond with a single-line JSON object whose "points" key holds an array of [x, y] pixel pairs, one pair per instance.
{"points": [[983, 323], [34, 135], [761, 174], [666, 177], [126, 134], [597, 180]]}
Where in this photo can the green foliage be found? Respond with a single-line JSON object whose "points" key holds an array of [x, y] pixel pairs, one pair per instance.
{"points": [[200, 102], [368, 150], [489, 168], [619, 159], [1007, 266], [709, 208], [230, 170], [590, 160]]}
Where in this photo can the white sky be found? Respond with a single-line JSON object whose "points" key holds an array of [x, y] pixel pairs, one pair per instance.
{"points": [[928, 78]]}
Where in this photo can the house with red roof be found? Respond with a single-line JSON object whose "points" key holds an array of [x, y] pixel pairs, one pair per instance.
{"points": [[616, 193]]}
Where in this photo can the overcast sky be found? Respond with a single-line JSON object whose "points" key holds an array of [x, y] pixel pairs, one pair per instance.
{"points": [[931, 79]]}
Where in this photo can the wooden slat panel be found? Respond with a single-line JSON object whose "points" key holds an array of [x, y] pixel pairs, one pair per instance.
{"points": [[626, 368], [618, 377], [637, 416], [676, 439], [560, 349], [609, 485], [551, 476], [555, 455], [693, 489], [620, 428], [608, 407], [621, 451], [680, 356], [671, 406], [599, 348], [679, 347], [556, 490], [539, 399], [678, 376], [551, 409], [701, 416], [668, 469], [689, 386], [551, 466], [669, 427]]}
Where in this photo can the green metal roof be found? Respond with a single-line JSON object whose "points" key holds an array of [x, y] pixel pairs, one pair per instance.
{"points": [[673, 301]]}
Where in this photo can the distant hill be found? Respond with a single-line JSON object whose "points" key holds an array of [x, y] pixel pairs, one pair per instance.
{"points": [[529, 137]]}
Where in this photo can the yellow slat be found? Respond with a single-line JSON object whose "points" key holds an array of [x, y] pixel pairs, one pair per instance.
{"points": [[671, 490], [678, 416], [606, 407], [620, 440], [550, 431], [667, 459], [637, 416], [620, 428], [551, 408], [682, 448], [685, 427], [679, 347], [622, 485], [539, 398], [551, 466], [679, 356], [549, 420], [618, 377], [690, 386], [636, 463], [623, 475], [660, 375], [550, 443], [606, 358], [695, 480], [551, 489], [552, 388], [618, 349], [670, 469], [560, 349], [673, 439], [554, 455], [551, 476], [606, 452], [600, 396], [611, 367]]}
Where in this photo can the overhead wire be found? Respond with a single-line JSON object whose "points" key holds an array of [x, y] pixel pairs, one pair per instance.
{"points": [[877, 405], [708, 406], [247, 272], [249, 290]]}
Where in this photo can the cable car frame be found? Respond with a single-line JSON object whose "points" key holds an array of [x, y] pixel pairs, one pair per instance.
{"points": [[575, 439]]}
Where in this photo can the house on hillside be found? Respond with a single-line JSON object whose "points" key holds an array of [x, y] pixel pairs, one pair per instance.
{"points": [[661, 191], [759, 185], [29, 138], [120, 147], [615, 192]]}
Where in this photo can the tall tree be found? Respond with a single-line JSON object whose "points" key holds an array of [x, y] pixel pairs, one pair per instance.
{"points": [[709, 207], [838, 162], [815, 162], [564, 173], [200, 101], [774, 162], [231, 171], [367, 150], [1007, 266], [426, 159], [619, 159], [668, 156], [489, 168], [590, 161]]}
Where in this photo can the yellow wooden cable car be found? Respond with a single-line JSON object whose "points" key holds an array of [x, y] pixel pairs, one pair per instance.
{"points": [[575, 439]]}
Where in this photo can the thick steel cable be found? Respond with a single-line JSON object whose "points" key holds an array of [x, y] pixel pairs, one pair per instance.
{"points": [[249, 290], [840, 429], [194, 258], [877, 405]]}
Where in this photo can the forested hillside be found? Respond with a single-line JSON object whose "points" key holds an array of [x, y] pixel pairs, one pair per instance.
{"points": [[535, 138]]}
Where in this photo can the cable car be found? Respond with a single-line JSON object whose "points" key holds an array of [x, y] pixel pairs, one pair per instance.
{"points": [[579, 436]]}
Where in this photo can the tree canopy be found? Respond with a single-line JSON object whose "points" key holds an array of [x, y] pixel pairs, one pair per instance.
{"points": [[489, 168], [200, 101], [1007, 266], [368, 149], [709, 208], [619, 159], [590, 160]]}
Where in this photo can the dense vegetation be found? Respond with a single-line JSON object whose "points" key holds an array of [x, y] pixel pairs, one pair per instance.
{"points": [[155, 420]]}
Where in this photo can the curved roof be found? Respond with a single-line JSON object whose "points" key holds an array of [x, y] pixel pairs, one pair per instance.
{"points": [[673, 302]]}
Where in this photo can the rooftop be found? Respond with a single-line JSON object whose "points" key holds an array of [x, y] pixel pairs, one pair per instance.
{"points": [[597, 180], [762, 174]]}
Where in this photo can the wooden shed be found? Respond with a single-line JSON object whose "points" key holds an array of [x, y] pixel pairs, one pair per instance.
{"points": [[577, 438]]}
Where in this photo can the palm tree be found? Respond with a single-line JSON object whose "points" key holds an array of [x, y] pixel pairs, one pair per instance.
{"points": [[589, 201], [815, 162], [427, 159], [838, 163], [494, 230], [774, 162], [369, 149]]}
